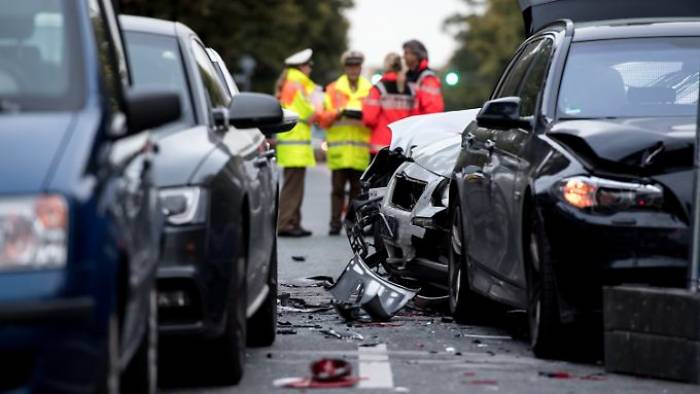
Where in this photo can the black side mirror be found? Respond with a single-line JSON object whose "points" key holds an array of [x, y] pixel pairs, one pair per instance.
{"points": [[147, 109], [289, 120], [254, 110], [503, 114]]}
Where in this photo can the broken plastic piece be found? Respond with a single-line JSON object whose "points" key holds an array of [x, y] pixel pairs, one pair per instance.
{"points": [[330, 369], [360, 288], [325, 373]]}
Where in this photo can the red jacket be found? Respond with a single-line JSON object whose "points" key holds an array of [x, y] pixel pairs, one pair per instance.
{"points": [[384, 105], [427, 89]]}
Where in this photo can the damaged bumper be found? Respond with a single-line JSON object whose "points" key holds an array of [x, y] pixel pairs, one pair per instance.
{"points": [[359, 289]]}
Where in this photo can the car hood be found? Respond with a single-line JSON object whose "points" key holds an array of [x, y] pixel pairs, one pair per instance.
{"points": [[29, 144], [421, 130], [641, 146], [440, 156]]}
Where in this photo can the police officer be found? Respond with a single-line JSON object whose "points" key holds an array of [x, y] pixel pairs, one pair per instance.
{"points": [[294, 150], [347, 137]]}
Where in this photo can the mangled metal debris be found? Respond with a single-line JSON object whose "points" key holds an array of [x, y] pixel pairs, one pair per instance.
{"points": [[360, 291]]}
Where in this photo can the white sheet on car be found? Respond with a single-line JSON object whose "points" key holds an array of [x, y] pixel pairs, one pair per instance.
{"points": [[440, 156], [425, 129], [433, 140]]}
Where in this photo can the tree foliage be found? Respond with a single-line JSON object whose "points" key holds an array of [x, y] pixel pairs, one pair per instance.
{"points": [[487, 40], [266, 30]]}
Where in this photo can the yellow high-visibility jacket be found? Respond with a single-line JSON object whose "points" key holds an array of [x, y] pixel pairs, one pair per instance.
{"points": [[348, 139], [294, 148]]}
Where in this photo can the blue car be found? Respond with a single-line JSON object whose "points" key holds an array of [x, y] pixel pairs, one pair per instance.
{"points": [[80, 221]]}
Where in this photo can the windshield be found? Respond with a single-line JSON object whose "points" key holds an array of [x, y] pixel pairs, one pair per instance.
{"points": [[645, 77], [40, 59], [156, 63]]}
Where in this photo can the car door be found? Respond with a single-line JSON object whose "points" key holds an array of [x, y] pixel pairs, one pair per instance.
{"points": [[261, 171], [135, 206], [508, 164], [482, 212], [241, 170]]}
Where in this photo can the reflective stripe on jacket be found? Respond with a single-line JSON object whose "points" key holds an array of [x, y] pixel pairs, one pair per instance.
{"points": [[294, 148], [427, 89], [385, 105], [348, 139]]}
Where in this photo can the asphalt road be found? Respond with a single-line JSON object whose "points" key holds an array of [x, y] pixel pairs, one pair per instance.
{"points": [[419, 351]]}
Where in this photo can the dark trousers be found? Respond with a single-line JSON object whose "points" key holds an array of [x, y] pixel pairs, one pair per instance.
{"points": [[291, 197], [339, 178]]}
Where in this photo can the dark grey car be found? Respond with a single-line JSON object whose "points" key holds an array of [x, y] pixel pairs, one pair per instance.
{"points": [[217, 279]]}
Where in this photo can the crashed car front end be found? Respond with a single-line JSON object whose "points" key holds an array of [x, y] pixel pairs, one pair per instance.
{"points": [[414, 217]]}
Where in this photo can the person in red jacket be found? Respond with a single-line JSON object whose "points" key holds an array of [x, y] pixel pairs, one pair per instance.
{"points": [[388, 101], [422, 80]]}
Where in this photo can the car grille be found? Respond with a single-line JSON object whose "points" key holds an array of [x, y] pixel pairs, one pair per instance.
{"points": [[407, 191]]}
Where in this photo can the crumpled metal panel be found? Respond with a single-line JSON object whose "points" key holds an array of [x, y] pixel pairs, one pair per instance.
{"points": [[358, 287]]}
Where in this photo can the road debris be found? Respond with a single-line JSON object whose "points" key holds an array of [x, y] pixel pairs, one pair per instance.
{"points": [[325, 373], [556, 375], [349, 335], [359, 290], [286, 331], [299, 258], [298, 305], [312, 281]]}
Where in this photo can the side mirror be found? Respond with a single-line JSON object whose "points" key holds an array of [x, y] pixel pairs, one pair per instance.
{"points": [[254, 110], [289, 120], [147, 109], [503, 114]]}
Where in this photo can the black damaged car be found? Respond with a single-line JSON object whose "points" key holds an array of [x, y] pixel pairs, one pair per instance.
{"points": [[577, 172]]}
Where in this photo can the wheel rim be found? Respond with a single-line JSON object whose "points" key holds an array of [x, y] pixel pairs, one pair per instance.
{"points": [[535, 311], [456, 257]]}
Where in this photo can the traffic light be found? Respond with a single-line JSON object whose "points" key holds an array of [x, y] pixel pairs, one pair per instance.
{"points": [[452, 78]]}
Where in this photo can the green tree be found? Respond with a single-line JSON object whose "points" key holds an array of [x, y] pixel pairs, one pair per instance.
{"points": [[487, 40], [266, 30]]}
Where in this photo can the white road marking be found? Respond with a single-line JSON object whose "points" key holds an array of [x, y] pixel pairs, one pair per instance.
{"points": [[375, 368]]}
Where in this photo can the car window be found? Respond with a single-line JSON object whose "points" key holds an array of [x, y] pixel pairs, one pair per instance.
{"points": [[156, 62], [218, 95], [532, 86], [633, 77], [41, 61], [511, 81]]}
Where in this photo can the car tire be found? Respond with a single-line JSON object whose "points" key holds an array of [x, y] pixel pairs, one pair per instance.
{"points": [[108, 382], [542, 296], [141, 376], [227, 353], [262, 326], [465, 305]]}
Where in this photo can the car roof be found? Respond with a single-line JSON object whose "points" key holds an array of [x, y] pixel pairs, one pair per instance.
{"points": [[637, 28], [143, 24]]}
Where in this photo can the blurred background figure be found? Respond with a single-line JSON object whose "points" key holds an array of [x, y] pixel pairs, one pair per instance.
{"points": [[423, 81], [295, 90], [347, 137], [388, 101]]}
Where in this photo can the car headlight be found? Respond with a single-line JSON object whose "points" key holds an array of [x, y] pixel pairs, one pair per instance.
{"points": [[608, 195], [33, 232], [184, 205]]}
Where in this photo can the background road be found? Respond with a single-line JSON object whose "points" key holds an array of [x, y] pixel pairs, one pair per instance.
{"points": [[419, 351]]}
